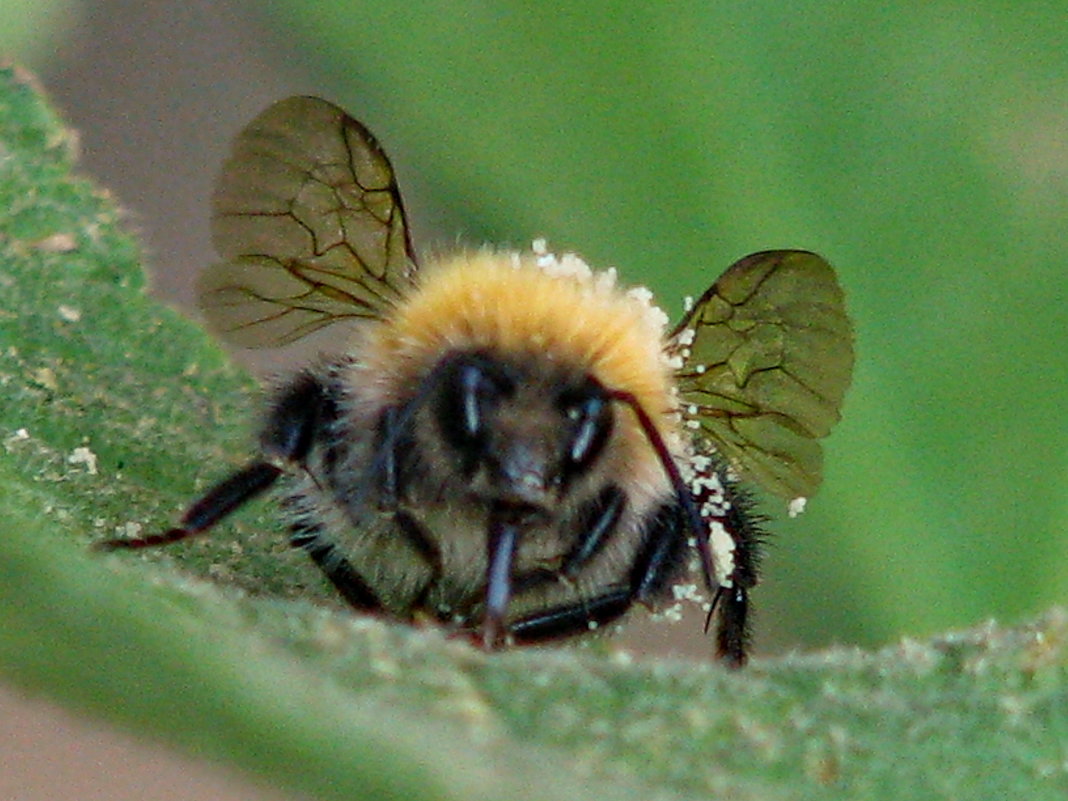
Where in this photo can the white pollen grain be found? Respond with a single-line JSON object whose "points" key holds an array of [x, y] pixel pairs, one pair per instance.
{"points": [[686, 592], [672, 614], [606, 279], [130, 531], [83, 456], [723, 546]]}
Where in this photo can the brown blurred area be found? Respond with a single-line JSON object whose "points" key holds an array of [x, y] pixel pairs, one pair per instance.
{"points": [[156, 91], [48, 754]]}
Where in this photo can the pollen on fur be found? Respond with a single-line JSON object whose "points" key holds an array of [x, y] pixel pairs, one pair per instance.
{"points": [[723, 547]]}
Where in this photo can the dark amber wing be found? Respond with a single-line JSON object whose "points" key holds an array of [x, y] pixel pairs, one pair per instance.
{"points": [[767, 355], [309, 223]]}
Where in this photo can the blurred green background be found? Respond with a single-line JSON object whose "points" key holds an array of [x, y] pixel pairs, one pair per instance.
{"points": [[921, 147]]}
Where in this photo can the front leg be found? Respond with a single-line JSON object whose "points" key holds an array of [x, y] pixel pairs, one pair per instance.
{"points": [[656, 563], [297, 419], [287, 437], [218, 502]]}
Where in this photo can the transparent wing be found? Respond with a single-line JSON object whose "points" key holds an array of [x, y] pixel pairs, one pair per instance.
{"points": [[309, 222], [767, 357]]}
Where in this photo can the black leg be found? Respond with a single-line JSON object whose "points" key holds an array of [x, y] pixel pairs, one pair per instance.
{"points": [[388, 439], [571, 619], [732, 633], [657, 563], [598, 523], [731, 603], [661, 557], [217, 503], [340, 572], [302, 406]]}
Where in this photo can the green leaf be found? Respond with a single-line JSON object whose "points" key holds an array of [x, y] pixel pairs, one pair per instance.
{"points": [[113, 409]]}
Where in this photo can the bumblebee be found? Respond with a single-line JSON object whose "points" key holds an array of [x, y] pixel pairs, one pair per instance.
{"points": [[508, 443]]}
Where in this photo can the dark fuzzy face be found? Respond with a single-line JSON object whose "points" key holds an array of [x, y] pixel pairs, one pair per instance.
{"points": [[521, 434], [510, 498]]}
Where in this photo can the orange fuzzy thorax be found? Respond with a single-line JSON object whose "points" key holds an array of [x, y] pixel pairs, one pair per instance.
{"points": [[529, 306]]}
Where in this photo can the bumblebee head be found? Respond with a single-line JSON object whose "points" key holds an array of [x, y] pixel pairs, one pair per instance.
{"points": [[508, 375], [519, 434]]}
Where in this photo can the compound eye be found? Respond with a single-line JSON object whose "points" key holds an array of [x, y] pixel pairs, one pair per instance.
{"points": [[476, 391], [471, 389], [590, 421]]}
